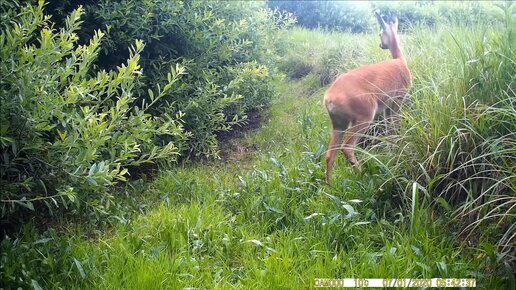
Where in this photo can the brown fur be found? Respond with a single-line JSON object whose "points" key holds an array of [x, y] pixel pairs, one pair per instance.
{"points": [[357, 96]]}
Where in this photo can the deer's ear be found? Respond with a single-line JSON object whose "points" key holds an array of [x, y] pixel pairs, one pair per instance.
{"points": [[380, 20], [393, 20]]}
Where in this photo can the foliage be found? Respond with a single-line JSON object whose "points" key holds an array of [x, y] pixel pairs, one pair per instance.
{"points": [[431, 13], [71, 130], [36, 257], [456, 139], [343, 16], [67, 133], [459, 131], [213, 41], [341, 53], [325, 14], [265, 222], [268, 220]]}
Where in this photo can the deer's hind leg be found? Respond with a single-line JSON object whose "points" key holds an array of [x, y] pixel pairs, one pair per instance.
{"points": [[336, 134], [353, 135]]}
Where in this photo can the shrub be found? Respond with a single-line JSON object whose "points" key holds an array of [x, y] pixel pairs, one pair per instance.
{"points": [[74, 122], [222, 44], [69, 133]]}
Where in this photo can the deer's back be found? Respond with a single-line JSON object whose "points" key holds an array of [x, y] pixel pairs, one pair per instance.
{"points": [[361, 91], [368, 84]]}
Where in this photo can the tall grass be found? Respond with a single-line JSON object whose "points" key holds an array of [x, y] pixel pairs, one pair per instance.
{"points": [[457, 136], [455, 141], [265, 222], [269, 221]]}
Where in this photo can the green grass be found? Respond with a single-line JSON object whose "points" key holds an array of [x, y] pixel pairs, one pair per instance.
{"points": [[269, 221]]}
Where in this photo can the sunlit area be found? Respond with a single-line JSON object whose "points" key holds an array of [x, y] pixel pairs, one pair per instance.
{"points": [[361, 4], [257, 144]]}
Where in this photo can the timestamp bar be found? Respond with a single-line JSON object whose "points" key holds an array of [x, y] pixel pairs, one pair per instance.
{"points": [[395, 282]]}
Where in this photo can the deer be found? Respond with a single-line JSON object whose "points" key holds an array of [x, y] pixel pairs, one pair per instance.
{"points": [[357, 96]]}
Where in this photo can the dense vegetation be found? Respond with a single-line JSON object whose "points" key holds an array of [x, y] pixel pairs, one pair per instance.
{"points": [[346, 16], [78, 118], [86, 105], [331, 15]]}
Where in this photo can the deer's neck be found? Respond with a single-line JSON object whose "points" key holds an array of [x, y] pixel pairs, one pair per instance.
{"points": [[396, 49]]}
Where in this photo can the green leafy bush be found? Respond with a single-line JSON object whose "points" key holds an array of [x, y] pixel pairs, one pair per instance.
{"points": [[68, 133], [75, 122], [222, 44], [36, 262]]}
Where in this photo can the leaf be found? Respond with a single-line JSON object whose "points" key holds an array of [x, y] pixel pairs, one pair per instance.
{"points": [[350, 209], [334, 198], [25, 203], [92, 169], [43, 241], [79, 267], [489, 249], [355, 201], [360, 223], [35, 285], [62, 135], [510, 276], [441, 265], [416, 250], [151, 94], [43, 185], [472, 61], [443, 203], [241, 179], [92, 181], [313, 215], [272, 209], [270, 249], [256, 242], [425, 267], [68, 192], [4, 128]]}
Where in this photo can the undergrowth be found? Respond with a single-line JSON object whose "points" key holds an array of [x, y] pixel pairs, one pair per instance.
{"points": [[435, 197]]}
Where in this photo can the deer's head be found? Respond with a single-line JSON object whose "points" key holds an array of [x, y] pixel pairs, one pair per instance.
{"points": [[388, 30]]}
